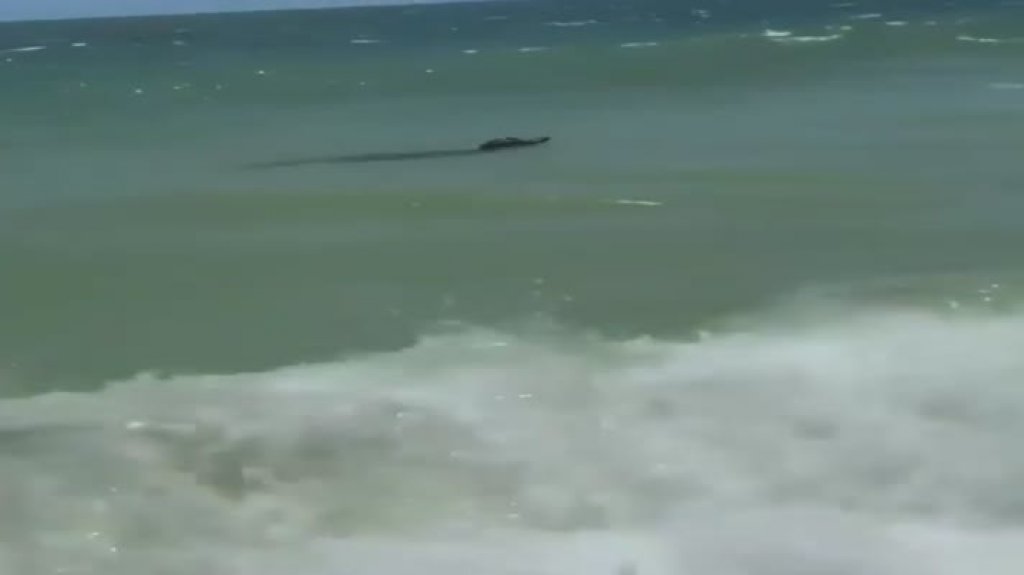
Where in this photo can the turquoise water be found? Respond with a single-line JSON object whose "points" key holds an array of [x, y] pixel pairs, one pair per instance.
{"points": [[753, 310]]}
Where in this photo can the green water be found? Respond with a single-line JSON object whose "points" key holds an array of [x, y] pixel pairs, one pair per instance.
{"points": [[755, 309], [136, 236]]}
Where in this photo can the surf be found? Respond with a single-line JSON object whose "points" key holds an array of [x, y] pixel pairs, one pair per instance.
{"points": [[876, 432]]}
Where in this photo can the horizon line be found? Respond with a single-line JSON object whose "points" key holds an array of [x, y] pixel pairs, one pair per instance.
{"points": [[217, 11]]}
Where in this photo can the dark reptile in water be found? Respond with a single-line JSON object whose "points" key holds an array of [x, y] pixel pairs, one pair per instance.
{"points": [[494, 145]]}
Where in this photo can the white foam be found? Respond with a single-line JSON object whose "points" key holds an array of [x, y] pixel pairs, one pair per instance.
{"points": [[471, 51], [364, 41], [79, 44], [637, 202], [882, 442], [897, 23], [982, 40], [966, 38], [572, 23], [868, 16], [530, 49], [23, 49], [638, 45], [769, 33], [808, 39], [1007, 85]]}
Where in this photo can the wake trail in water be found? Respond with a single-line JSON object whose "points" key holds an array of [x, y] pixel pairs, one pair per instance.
{"points": [[368, 158]]}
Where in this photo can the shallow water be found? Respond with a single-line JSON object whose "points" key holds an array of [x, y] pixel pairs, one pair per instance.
{"points": [[755, 309]]}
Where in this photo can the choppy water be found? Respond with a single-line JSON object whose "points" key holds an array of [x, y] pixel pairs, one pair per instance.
{"points": [[754, 310]]}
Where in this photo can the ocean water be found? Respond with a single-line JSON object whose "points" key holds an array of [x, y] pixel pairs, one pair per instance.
{"points": [[754, 310]]}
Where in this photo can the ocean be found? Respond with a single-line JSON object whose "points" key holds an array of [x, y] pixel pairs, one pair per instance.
{"points": [[755, 309]]}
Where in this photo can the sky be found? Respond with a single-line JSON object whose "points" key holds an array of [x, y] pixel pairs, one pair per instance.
{"points": [[49, 9]]}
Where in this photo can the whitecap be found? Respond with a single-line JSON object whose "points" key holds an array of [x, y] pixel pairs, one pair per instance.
{"points": [[868, 16], [363, 41], [769, 33], [982, 40], [23, 49], [808, 39], [79, 44], [572, 23], [529, 49], [638, 45], [628, 202]]}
